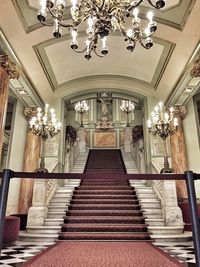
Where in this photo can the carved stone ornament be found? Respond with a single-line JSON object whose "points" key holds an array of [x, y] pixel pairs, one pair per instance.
{"points": [[30, 112], [6, 65], [9, 66], [195, 70], [180, 111]]}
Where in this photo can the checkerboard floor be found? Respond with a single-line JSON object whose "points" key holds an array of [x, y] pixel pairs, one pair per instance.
{"points": [[182, 252], [16, 255]]}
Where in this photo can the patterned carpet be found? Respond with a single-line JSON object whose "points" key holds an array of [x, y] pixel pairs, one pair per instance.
{"points": [[104, 210], [103, 254], [16, 255]]}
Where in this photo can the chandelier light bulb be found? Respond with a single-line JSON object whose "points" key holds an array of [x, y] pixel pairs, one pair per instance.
{"points": [[60, 2], [90, 23], [102, 17], [74, 2], [135, 13], [175, 122], [130, 33], [150, 16]]}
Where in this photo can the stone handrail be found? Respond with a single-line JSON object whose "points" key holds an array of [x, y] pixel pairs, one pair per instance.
{"points": [[166, 192], [137, 152], [43, 191], [71, 155]]}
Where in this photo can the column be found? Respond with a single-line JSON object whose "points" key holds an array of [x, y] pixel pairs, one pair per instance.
{"points": [[178, 152], [8, 71], [30, 164]]}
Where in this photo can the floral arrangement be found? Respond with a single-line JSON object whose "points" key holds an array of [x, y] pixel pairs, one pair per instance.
{"points": [[71, 134], [137, 133]]}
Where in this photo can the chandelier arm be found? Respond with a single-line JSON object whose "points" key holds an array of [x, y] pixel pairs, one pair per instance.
{"points": [[146, 47], [97, 53], [134, 5], [152, 4], [52, 14], [79, 51], [47, 24], [66, 25]]}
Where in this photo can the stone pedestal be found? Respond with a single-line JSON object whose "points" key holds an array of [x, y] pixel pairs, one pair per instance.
{"points": [[38, 212], [172, 213], [8, 71], [128, 139], [82, 139]]}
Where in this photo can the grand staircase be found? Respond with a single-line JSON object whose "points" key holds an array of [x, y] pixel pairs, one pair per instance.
{"points": [[105, 210]]}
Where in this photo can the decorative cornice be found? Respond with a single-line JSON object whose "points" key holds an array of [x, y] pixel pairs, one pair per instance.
{"points": [[9, 67], [195, 70], [180, 112], [30, 112]]}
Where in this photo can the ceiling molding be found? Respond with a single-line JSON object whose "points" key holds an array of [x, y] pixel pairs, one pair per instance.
{"points": [[186, 86], [47, 68], [24, 82]]}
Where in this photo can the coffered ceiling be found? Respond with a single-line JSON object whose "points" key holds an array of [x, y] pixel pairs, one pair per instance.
{"points": [[51, 68]]}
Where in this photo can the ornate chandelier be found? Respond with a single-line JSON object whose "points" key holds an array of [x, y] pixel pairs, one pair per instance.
{"points": [[127, 107], [163, 123], [45, 125], [81, 107], [102, 17]]}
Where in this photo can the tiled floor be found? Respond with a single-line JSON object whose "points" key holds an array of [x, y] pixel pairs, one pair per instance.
{"points": [[182, 252], [15, 255]]}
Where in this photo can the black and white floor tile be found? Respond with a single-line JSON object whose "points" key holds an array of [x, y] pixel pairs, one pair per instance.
{"points": [[16, 255], [182, 252]]}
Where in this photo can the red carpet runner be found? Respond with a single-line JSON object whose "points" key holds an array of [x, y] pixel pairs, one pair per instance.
{"points": [[105, 161], [104, 209], [103, 254]]}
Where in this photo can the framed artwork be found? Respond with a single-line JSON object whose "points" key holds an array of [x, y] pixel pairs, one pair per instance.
{"points": [[157, 146]]}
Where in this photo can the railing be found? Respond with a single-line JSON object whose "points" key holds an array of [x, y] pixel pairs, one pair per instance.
{"points": [[189, 177], [166, 192], [71, 155], [137, 152]]}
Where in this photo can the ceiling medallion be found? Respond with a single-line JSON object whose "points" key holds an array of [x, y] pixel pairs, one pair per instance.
{"points": [[102, 17]]}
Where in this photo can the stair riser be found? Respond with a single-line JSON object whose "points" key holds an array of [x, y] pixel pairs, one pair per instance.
{"points": [[103, 208], [104, 197], [52, 224], [57, 204], [43, 231], [103, 193], [90, 214], [55, 216], [104, 230], [165, 232], [117, 202], [42, 238], [112, 221], [103, 238]]}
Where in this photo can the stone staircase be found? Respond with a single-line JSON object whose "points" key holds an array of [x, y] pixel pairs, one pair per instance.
{"points": [[56, 211], [150, 205], [152, 211]]}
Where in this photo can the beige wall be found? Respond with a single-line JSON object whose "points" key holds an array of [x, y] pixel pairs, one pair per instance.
{"points": [[16, 157]]}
